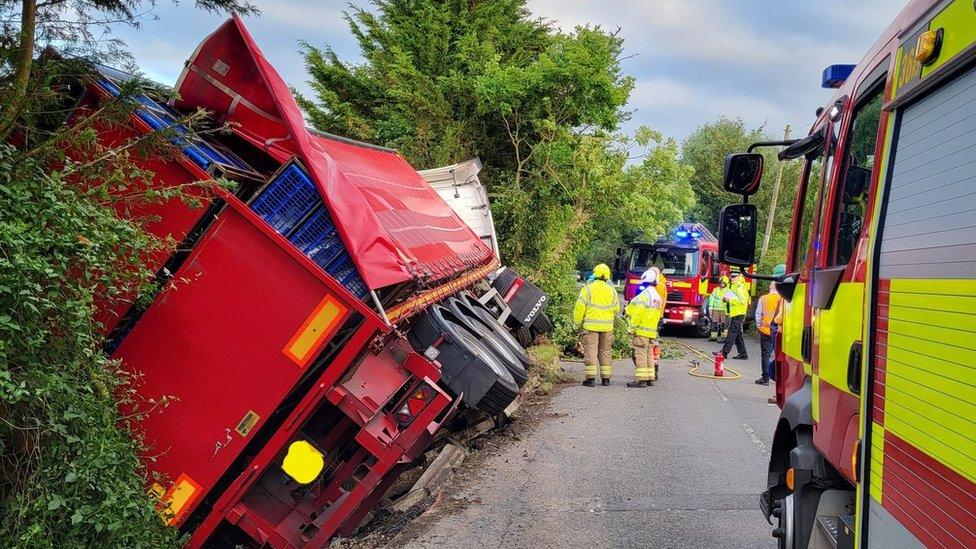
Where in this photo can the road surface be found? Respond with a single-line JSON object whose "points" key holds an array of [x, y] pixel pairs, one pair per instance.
{"points": [[680, 464]]}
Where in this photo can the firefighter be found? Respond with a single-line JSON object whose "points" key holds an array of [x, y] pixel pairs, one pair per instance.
{"points": [[766, 311], [717, 309], [662, 285], [643, 317], [737, 298], [596, 308]]}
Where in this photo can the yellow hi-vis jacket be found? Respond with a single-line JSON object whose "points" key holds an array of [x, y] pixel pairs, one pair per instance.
{"points": [[644, 313], [740, 302], [766, 309], [596, 307], [715, 302]]}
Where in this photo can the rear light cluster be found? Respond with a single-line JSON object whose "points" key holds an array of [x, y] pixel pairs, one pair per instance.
{"points": [[418, 400]]}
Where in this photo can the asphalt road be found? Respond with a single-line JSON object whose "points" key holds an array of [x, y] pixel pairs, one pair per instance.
{"points": [[676, 465]]}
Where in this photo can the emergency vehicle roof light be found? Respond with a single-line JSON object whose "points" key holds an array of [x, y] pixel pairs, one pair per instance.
{"points": [[681, 233], [835, 75]]}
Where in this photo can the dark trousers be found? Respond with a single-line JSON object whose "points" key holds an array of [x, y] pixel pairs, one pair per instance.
{"points": [[766, 360], [735, 336]]}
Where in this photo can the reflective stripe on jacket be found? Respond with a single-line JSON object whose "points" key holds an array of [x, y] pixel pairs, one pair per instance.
{"points": [[740, 303], [765, 311], [644, 313], [596, 307]]}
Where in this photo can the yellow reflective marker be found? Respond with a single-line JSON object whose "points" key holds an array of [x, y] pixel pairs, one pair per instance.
{"points": [[303, 462], [317, 328]]}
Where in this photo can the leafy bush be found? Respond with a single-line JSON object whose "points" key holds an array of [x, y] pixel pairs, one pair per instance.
{"points": [[70, 473]]}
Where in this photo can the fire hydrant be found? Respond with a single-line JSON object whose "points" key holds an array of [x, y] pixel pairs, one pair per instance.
{"points": [[719, 365]]}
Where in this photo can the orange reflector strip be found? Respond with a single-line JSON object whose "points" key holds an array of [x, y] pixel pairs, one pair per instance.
{"points": [[789, 478], [316, 329], [177, 501]]}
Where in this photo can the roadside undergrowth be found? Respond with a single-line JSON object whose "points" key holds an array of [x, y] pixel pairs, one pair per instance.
{"points": [[546, 369]]}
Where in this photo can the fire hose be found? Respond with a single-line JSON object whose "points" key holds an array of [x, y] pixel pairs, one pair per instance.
{"points": [[694, 371]]}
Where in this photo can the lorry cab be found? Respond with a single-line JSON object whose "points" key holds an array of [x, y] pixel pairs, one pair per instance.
{"points": [[687, 259], [875, 444]]}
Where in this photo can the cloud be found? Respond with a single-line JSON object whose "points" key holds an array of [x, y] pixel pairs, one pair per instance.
{"points": [[303, 15]]}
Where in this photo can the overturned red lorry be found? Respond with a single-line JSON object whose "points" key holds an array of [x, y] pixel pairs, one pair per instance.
{"points": [[318, 323]]}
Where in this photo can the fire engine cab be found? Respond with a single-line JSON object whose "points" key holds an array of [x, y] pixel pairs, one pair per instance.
{"points": [[876, 442], [688, 260]]}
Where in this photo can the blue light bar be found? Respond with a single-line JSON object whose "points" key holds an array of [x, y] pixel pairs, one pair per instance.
{"points": [[835, 75], [681, 234], [696, 235]]}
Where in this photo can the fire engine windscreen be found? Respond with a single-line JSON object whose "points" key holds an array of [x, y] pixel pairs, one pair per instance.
{"points": [[673, 262]]}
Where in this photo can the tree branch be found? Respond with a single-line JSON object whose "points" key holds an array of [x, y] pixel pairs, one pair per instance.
{"points": [[23, 68]]}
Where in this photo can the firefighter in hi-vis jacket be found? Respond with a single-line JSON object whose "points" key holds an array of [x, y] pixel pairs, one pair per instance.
{"points": [[643, 315], [718, 310], [596, 308]]}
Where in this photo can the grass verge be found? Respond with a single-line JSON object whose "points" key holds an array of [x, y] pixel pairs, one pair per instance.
{"points": [[546, 369]]}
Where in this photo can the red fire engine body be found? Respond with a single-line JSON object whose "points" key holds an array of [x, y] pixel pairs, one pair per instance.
{"points": [[688, 259], [270, 328]]}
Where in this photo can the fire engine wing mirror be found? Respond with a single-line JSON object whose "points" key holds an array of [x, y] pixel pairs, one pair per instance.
{"points": [[787, 287], [737, 235], [810, 146], [743, 171]]}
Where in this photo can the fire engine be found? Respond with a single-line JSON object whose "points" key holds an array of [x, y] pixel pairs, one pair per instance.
{"points": [[319, 322], [688, 259], [876, 442]]}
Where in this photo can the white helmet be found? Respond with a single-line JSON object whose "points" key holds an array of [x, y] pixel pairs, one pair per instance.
{"points": [[650, 276]]}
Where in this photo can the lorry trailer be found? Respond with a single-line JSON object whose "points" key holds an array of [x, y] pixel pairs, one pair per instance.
{"points": [[316, 327]]}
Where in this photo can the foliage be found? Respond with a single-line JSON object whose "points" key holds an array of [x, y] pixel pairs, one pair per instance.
{"points": [[71, 473], [546, 370], [445, 80]]}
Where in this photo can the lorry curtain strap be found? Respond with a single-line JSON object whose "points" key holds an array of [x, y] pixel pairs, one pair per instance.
{"points": [[421, 301], [236, 98]]}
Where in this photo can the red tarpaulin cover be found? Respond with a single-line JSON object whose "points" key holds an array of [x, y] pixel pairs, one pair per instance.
{"points": [[394, 224]]}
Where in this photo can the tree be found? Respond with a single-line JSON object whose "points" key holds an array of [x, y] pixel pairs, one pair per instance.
{"points": [[445, 80], [71, 470], [705, 151]]}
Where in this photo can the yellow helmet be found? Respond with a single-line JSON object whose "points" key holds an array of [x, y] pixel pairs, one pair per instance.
{"points": [[601, 271]]}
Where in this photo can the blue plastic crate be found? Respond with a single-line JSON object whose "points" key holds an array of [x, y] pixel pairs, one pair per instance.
{"points": [[159, 117], [287, 199], [317, 238], [344, 271]]}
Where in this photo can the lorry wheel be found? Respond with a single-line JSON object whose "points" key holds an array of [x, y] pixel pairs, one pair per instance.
{"points": [[489, 340], [468, 369], [479, 314], [542, 324], [523, 334], [504, 390]]}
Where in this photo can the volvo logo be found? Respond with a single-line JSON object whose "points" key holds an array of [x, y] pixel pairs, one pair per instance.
{"points": [[538, 305]]}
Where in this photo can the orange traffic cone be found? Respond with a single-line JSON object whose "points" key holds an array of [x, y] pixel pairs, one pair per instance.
{"points": [[719, 365]]}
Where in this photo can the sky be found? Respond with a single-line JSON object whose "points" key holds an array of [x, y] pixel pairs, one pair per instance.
{"points": [[693, 60]]}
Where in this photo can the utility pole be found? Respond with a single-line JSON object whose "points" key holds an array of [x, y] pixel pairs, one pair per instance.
{"points": [[772, 202]]}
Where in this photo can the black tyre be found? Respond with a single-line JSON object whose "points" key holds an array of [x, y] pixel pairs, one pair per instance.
{"points": [[492, 342], [465, 308], [542, 324], [504, 390], [523, 334], [468, 368]]}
